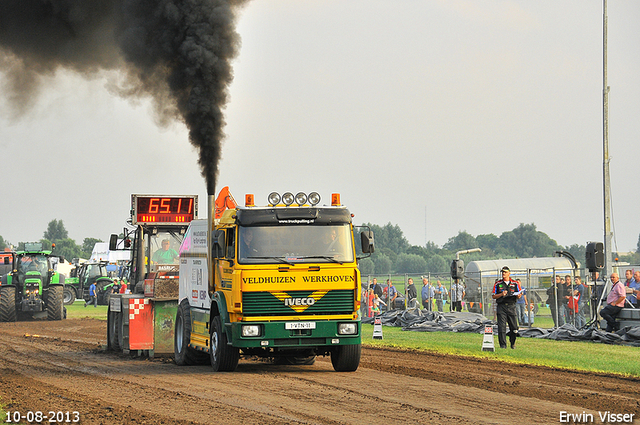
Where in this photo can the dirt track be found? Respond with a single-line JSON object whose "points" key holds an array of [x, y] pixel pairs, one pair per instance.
{"points": [[61, 366]]}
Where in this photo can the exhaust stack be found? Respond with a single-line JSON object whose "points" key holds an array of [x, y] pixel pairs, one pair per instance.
{"points": [[211, 209]]}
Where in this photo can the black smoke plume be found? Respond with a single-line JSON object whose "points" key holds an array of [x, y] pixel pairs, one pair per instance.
{"points": [[178, 52]]}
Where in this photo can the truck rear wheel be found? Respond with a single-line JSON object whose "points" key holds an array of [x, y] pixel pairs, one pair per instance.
{"points": [[69, 296], [7, 304], [55, 304], [224, 358], [183, 354], [346, 358]]}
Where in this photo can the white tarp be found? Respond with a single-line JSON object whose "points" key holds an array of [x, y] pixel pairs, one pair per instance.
{"points": [[101, 253]]}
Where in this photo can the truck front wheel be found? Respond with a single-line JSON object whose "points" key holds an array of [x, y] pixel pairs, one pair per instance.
{"points": [[7, 304], [224, 358], [346, 358]]}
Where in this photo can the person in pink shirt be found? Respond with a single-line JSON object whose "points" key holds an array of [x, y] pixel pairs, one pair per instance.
{"points": [[615, 302]]}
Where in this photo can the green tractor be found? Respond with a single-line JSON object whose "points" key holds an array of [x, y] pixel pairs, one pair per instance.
{"points": [[95, 272], [33, 288], [82, 276]]}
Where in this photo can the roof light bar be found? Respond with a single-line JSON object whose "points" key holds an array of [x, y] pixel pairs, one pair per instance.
{"points": [[301, 198], [274, 198], [288, 198], [314, 198]]}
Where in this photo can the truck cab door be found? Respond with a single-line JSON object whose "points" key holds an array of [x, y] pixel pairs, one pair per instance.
{"points": [[223, 258]]}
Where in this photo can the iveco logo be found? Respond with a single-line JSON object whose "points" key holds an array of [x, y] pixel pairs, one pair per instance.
{"points": [[299, 301], [299, 304]]}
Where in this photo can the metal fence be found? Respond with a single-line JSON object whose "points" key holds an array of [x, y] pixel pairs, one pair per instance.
{"points": [[542, 301]]}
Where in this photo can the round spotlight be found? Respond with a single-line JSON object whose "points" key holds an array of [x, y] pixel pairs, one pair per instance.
{"points": [[301, 198], [314, 198], [274, 198], [288, 198]]}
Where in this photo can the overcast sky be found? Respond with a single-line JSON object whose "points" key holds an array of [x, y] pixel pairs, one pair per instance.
{"points": [[437, 116]]}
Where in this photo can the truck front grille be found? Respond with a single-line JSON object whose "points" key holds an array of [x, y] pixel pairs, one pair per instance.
{"points": [[276, 304]]}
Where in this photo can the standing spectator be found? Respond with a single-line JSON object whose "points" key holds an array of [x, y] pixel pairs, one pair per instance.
{"points": [[634, 284], [530, 316], [364, 291], [579, 286], [457, 295], [567, 293], [116, 286], [506, 291], [427, 294], [123, 286], [440, 294], [554, 296], [522, 306], [377, 288], [572, 306], [412, 295], [615, 302], [370, 298], [392, 294], [93, 297], [376, 305]]}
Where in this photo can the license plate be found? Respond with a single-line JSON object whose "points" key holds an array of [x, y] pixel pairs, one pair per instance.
{"points": [[300, 325]]}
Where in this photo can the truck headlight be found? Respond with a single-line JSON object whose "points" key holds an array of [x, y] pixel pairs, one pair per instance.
{"points": [[250, 330], [347, 328]]}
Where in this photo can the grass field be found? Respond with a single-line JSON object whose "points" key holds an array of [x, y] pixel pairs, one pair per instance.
{"points": [[587, 356], [77, 310]]}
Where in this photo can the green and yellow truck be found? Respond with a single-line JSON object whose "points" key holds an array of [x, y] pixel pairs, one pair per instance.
{"points": [[279, 281]]}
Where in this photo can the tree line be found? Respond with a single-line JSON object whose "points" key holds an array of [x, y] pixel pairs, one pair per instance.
{"points": [[65, 246], [394, 254]]}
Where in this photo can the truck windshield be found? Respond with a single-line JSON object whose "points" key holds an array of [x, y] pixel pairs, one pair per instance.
{"points": [[295, 244]]}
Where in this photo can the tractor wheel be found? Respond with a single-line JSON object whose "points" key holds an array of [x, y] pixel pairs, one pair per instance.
{"points": [[69, 296], [185, 355], [224, 358], [114, 323], [7, 304], [346, 358], [55, 303]]}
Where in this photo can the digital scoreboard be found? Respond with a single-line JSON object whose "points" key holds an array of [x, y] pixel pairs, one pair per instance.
{"points": [[160, 209]]}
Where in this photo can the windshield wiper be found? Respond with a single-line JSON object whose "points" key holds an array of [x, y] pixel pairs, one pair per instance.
{"points": [[280, 259], [324, 257]]}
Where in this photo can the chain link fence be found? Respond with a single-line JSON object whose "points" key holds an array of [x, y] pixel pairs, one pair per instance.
{"points": [[547, 305]]}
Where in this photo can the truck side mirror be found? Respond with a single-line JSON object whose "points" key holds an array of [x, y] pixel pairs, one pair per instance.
{"points": [[113, 242], [366, 238]]}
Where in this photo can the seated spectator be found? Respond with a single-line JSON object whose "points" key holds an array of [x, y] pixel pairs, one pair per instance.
{"points": [[615, 302]]}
